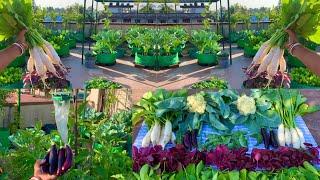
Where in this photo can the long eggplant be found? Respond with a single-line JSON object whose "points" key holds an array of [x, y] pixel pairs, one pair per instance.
{"points": [[265, 137], [273, 139], [53, 160], [68, 160], [194, 140]]}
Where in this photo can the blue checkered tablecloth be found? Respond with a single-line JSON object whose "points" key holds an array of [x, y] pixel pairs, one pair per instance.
{"points": [[206, 130]]}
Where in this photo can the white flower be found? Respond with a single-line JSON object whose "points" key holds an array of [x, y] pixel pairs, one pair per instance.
{"points": [[246, 105], [196, 103]]}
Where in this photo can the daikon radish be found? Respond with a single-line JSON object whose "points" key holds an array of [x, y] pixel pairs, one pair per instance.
{"points": [[167, 133], [30, 64], [263, 66], [173, 138], [283, 65], [161, 136], [281, 135], [47, 63], [287, 135], [39, 66], [263, 51], [295, 138], [147, 139], [301, 136], [155, 133]]}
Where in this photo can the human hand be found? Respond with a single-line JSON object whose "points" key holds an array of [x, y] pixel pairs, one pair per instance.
{"points": [[21, 39], [292, 38], [38, 174]]}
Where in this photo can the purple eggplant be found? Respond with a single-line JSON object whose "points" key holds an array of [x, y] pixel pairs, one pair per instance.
{"points": [[61, 160], [273, 139], [265, 137], [68, 160], [194, 140], [53, 160]]}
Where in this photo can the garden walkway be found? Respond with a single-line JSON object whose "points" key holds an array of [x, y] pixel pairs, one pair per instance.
{"points": [[144, 80]]}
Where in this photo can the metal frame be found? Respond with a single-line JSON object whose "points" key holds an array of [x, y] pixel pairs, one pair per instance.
{"points": [[220, 22]]}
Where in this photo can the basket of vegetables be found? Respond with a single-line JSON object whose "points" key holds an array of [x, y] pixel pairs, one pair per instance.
{"points": [[106, 46], [207, 44]]}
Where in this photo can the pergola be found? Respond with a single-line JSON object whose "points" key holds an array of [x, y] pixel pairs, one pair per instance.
{"points": [[217, 3]]}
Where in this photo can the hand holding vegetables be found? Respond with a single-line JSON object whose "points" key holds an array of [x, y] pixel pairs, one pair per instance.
{"points": [[302, 17], [57, 162], [17, 15]]}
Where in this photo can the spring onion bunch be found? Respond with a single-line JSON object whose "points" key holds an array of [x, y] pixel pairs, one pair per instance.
{"points": [[17, 15], [300, 16]]}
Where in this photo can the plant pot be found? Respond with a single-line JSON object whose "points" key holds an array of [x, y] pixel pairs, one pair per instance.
{"points": [[106, 59], [146, 61], [64, 50], [4, 138], [294, 62], [19, 61], [90, 62], [249, 51], [72, 43], [207, 59], [166, 61], [16, 85], [223, 61], [121, 52]]}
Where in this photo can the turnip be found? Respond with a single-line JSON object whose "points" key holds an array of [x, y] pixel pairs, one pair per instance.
{"points": [[155, 133], [267, 60], [167, 134], [281, 135], [287, 135], [295, 138], [301, 136], [147, 139]]}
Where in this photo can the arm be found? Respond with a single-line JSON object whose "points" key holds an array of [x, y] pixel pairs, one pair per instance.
{"points": [[12, 52], [309, 58]]}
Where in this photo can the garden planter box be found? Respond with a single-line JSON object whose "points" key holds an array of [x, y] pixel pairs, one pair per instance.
{"points": [[146, 61], [207, 59], [294, 62], [4, 138], [19, 61], [90, 62], [17, 85], [106, 59], [249, 51], [64, 50], [223, 61], [166, 61]]}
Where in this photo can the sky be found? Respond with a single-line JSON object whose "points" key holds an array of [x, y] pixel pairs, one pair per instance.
{"points": [[248, 3]]}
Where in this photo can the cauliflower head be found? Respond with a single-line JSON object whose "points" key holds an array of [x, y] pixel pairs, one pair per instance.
{"points": [[246, 105], [196, 103]]}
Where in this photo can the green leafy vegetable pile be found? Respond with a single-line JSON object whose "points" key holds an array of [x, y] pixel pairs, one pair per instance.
{"points": [[101, 83], [305, 77], [11, 75], [212, 83]]}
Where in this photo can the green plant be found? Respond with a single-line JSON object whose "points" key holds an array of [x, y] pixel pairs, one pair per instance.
{"points": [[305, 76], [108, 41], [233, 140], [101, 83], [212, 83], [205, 41], [223, 54], [11, 75]]}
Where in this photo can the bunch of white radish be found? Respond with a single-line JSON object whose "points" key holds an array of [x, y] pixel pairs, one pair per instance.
{"points": [[288, 136], [43, 57], [289, 104], [159, 135], [269, 57]]}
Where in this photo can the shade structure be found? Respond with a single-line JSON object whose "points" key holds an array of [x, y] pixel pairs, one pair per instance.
{"points": [[160, 1]]}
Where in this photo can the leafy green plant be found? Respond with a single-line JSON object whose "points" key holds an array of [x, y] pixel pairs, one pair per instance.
{"points": [[305, 76], [232, 140], [101, 83], [212, 83], [205, 41], [108, 41], [11, 75]]}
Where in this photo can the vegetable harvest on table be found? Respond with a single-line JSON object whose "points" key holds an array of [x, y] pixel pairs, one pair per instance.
{"points": [[229, 129], [17, 15], [300, 16]]}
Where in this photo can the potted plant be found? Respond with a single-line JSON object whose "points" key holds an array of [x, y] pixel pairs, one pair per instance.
{"points": [[106, 46], [90, 60], [223, 59], [207, 44]]}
